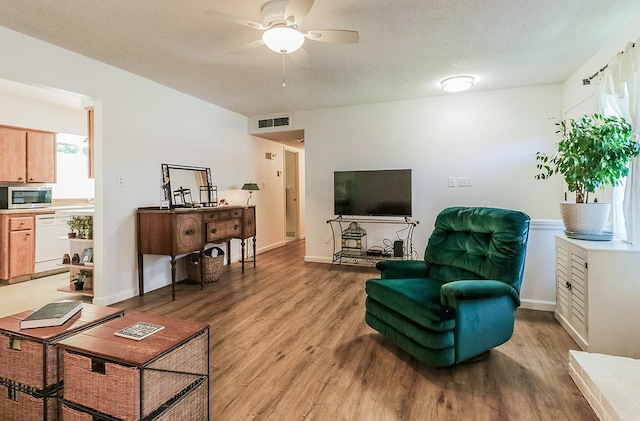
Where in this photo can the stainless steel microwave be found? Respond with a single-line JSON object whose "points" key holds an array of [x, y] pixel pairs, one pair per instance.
{"points": [[25, 197]]}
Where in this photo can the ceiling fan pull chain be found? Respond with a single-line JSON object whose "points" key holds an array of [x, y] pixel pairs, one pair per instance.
{"points": [[283, 84]]}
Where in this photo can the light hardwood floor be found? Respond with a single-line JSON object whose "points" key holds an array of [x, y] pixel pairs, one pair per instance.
{"points": [[289, 342]]}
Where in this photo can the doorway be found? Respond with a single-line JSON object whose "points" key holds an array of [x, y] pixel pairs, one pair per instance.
{"points": [[291, 193]]}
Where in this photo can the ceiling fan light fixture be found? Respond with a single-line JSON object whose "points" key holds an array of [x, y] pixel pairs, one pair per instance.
{"points": [[457, 83], [283, 39]]}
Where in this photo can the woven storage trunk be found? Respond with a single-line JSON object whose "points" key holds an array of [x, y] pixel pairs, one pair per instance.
{"points": [[212, 265], [72, 414], [21, 361], [191, 406], [117, 391], [17, 404]]}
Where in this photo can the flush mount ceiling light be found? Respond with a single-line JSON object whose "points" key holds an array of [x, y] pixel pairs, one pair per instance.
{"points": [[457, 83], [283, 39]]}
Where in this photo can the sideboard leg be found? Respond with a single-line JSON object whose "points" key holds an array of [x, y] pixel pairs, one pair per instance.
{"points": [[254, 251], [140, 275], [242, 253], [173, 278]]}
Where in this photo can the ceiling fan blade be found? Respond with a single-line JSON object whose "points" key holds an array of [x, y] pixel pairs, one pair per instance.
{"points": [[333, 35], [235, 19], [296, 11], [248, 47]]}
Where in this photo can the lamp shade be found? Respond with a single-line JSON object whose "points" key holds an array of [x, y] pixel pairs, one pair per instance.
{"points": [[283, 39], [250, 187]]}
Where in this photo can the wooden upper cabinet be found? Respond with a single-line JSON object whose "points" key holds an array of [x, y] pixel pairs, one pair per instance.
{"points": [[27, 156], [13, 155], [41, 157]]}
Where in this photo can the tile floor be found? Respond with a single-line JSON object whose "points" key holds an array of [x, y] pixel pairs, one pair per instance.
{"points": [[33, 294]]}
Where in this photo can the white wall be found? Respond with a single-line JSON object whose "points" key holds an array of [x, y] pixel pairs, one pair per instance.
{"points": [[577, 95], [491, 137], [139, 125], [32, 114]]}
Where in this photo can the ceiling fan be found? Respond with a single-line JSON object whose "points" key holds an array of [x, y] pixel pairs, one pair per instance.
{"points": [[281, 22]]}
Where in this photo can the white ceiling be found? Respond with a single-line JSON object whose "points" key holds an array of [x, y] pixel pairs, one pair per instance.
{"points": [[406, 46]]}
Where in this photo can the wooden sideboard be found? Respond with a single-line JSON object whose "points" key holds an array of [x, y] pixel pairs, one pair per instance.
{"points": [[172, 232]]}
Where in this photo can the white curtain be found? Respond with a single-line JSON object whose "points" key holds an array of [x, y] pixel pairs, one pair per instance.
{"points": [[618, 92]]}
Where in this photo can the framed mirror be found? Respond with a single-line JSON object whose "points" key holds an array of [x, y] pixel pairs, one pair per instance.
{"points": [[186, 186]]}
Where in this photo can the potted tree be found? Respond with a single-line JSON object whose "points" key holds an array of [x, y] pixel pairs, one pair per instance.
{"points": [[594, 152], [79, 279], [87, 227], [75, 224]]}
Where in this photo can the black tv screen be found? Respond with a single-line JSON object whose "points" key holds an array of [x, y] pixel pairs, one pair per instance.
{"points": [[372, 193]]}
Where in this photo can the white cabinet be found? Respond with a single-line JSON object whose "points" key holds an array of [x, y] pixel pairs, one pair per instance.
{"points": [[598, 293]]}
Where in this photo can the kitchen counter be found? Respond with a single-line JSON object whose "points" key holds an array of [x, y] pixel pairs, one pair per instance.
{"points": [[69, 210]]}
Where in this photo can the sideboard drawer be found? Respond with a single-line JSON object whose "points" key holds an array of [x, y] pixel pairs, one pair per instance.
{"points": [[219, 215], [223, 230]]}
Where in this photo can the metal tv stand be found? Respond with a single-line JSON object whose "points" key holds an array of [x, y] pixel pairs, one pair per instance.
{"points": [[368, 256]]}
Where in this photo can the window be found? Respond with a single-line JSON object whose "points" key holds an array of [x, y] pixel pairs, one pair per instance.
{"points": [[73, 180]]}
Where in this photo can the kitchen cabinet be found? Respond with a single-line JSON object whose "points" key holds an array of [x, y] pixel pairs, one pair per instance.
{"points": [[597, 288], [17, 246], [27, 156]]}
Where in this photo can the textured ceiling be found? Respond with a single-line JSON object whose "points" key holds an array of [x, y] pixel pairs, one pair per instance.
{"points": [[406, 46]]}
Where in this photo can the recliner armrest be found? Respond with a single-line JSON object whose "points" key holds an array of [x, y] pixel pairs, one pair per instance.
{"points": [[400, 269], [476, 290]]}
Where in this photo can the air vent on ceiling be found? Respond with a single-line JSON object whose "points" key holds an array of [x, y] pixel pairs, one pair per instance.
{"points": [[273, 122]]}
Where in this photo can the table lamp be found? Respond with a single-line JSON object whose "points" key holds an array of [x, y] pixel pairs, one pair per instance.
{"points": [[250, 187]]}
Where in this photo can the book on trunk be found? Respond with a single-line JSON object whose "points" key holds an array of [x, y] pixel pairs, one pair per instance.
{"points": [[139, 330], [52, 314]]}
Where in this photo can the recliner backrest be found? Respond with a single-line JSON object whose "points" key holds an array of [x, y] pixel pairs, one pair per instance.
{"points": [[478, 243]]}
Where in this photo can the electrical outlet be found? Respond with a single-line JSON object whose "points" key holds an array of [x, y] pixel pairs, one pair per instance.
{"points": [[464, 182], [452, 182], [119, 180]]}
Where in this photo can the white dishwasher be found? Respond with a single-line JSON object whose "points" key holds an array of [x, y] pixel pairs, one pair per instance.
{"points": [[49, 247]]}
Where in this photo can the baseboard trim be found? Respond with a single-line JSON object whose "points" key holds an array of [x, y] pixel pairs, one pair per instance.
{"points": [[538, 305]]}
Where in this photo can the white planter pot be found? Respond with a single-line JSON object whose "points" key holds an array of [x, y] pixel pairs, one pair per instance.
{"points": [[585, 218]]}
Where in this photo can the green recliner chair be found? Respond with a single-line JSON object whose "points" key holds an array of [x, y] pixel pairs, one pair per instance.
{"points": [[461, 300]]}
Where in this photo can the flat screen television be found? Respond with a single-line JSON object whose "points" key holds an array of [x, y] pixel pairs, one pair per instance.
{"points": [[372, 193]]}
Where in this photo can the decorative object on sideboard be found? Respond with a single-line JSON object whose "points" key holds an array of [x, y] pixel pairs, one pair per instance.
{"points": [[594, 152], [250, 187], [66, 260], [180, 182], [182, 197]]}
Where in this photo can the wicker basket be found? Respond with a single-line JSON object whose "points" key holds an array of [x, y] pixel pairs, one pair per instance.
{"points": [[212, 265], [191, 406], [117, 391], [24, 406], [71, 414], [23, 363]]}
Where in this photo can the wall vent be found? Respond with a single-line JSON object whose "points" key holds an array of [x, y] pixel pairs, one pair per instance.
{"points": [[265, 123], [281, 121], [273, 122]]}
